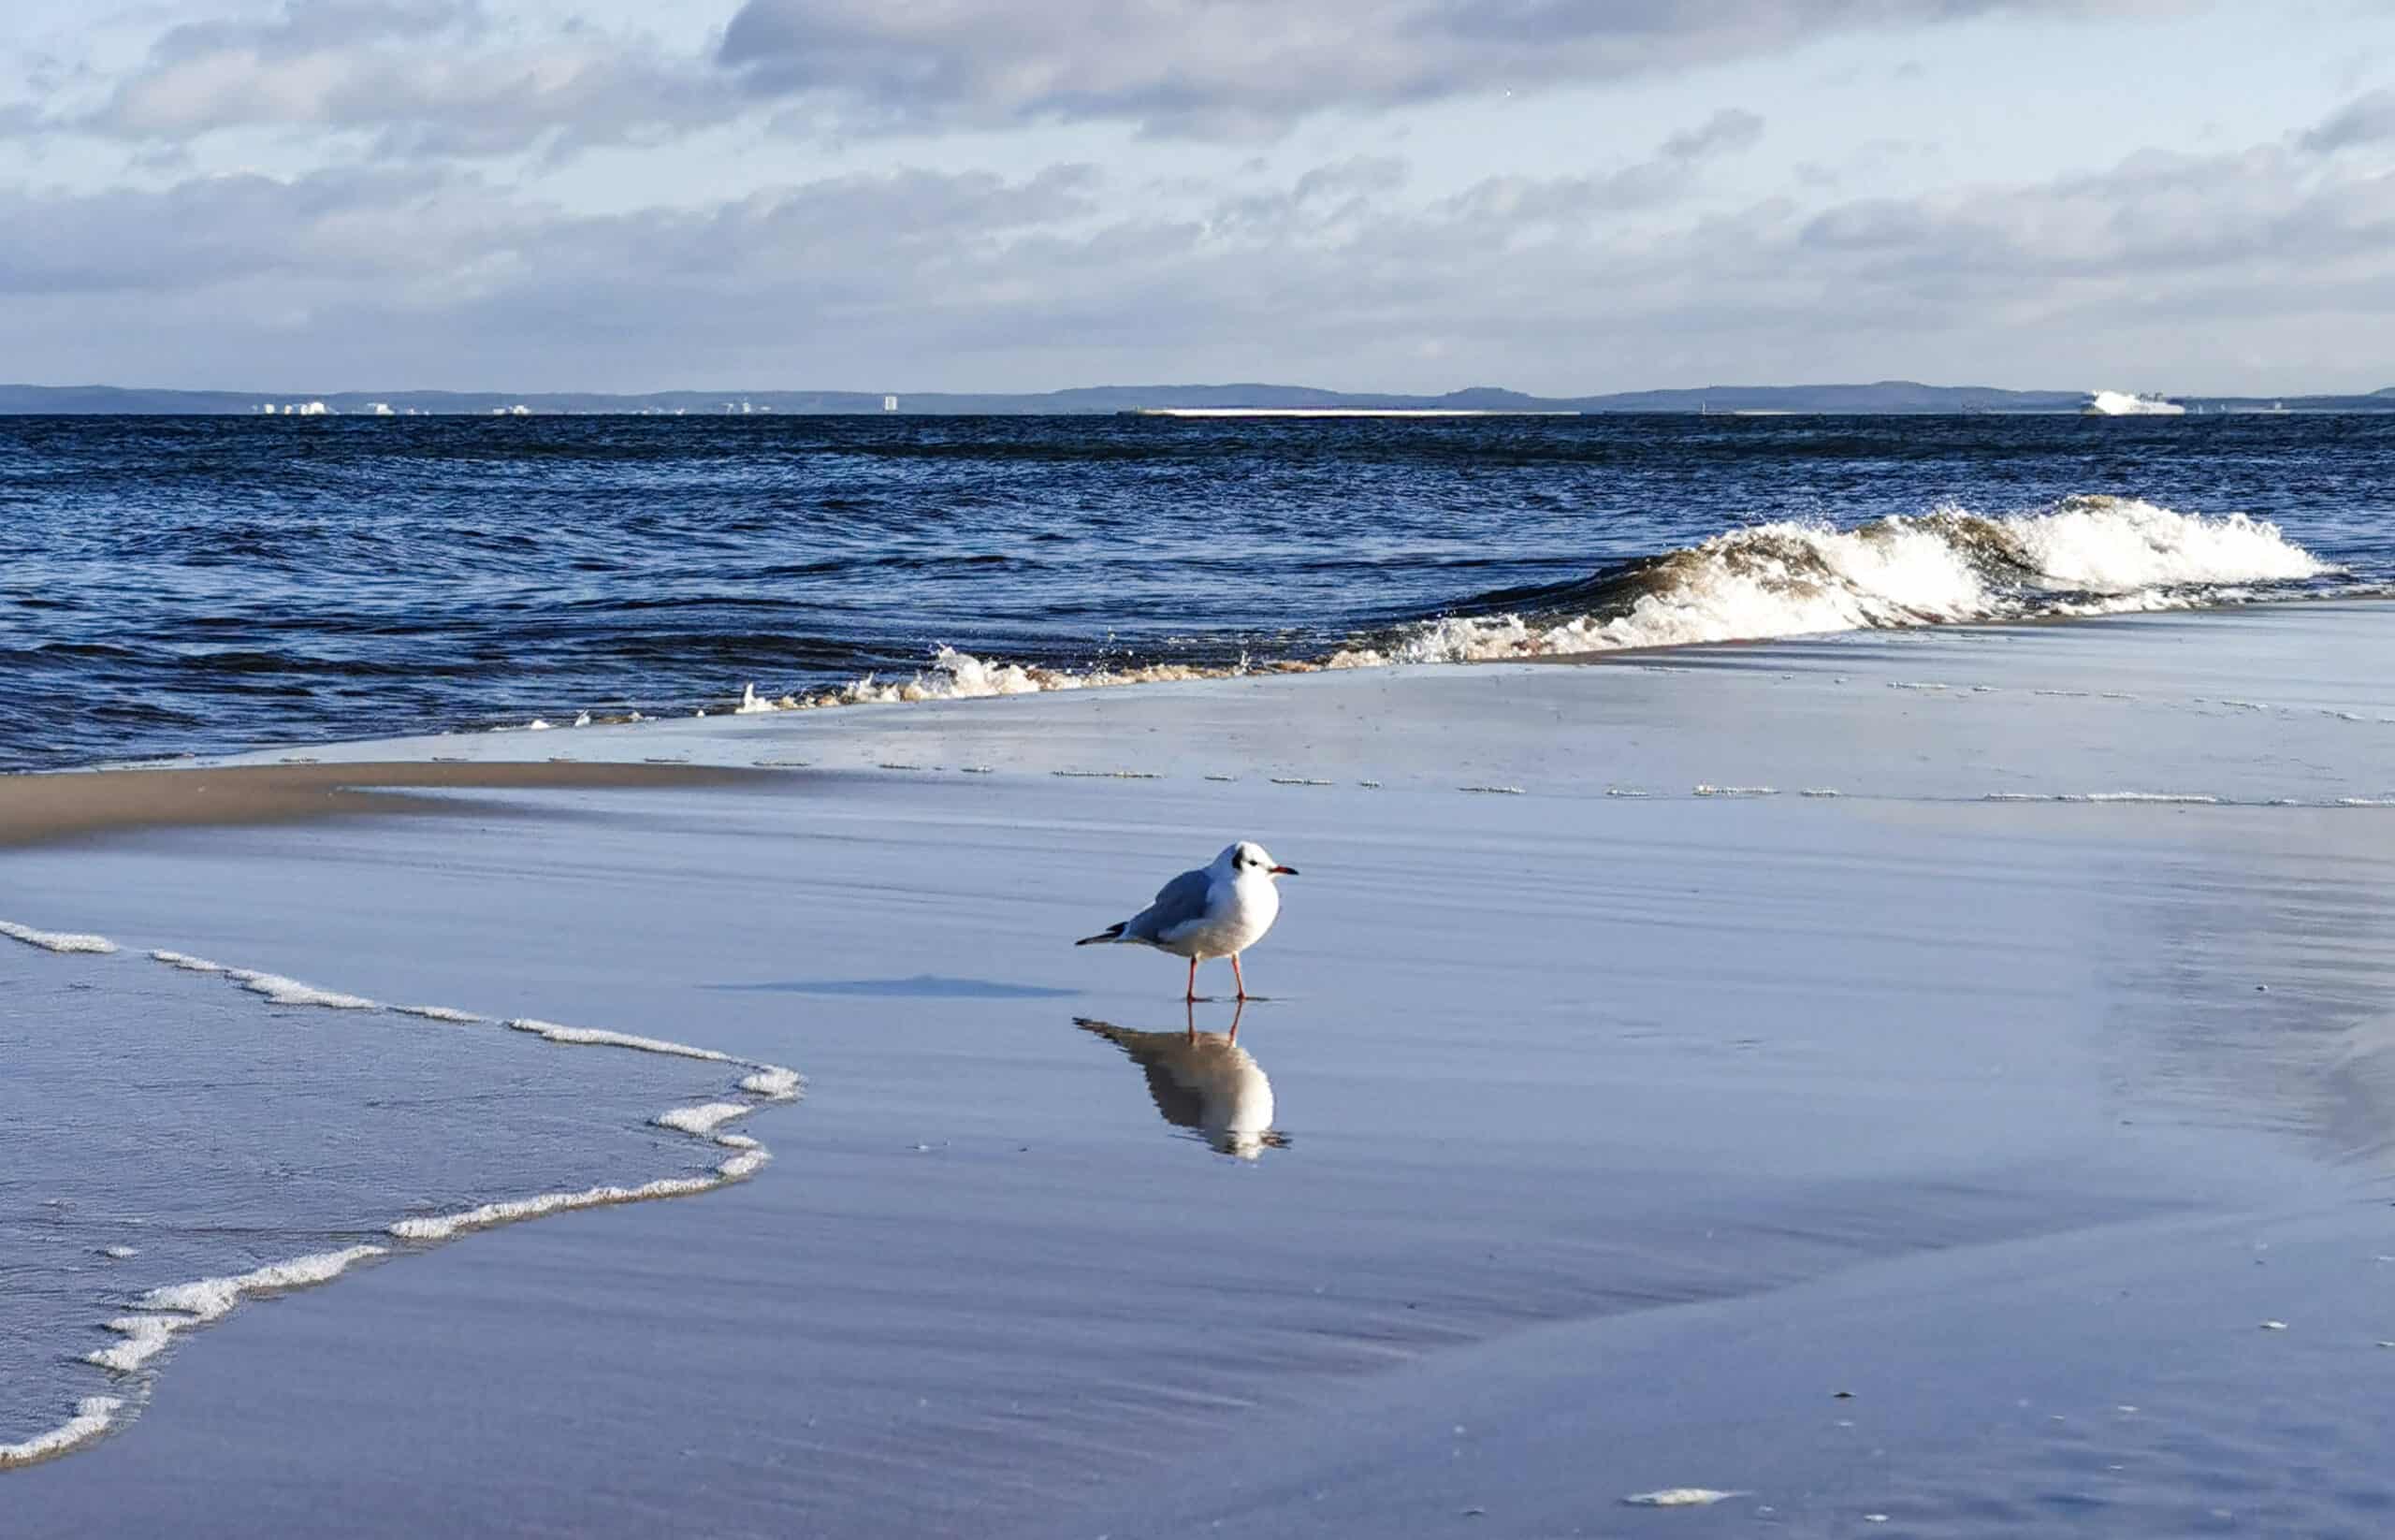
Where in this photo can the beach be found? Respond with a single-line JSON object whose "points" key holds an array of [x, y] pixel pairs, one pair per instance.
{"points": [[1928, 1082]]}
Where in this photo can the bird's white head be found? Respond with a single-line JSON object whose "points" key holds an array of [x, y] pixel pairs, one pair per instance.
{"points": [[1249, 859]]}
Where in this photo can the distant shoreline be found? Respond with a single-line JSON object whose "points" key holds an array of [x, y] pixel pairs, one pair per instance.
{"points": [[1342, 411], [1230, 401]]}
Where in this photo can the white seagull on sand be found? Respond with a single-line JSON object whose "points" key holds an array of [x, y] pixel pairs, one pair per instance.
{"points": [[1215, 912]]}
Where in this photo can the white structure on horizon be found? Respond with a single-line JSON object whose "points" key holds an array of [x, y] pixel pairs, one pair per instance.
{"points": [[889, 403], [381, 408], [518, 410], [2120, 403], [297, 409]]}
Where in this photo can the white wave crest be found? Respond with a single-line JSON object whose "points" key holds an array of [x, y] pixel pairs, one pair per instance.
{"points": [[2086, 556]]}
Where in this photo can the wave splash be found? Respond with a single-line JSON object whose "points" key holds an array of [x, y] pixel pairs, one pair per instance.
{"points": [[2085, 555], [2088, 554]]}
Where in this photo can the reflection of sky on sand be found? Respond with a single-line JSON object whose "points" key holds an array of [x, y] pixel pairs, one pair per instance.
{"points": [[2255, 955], [1204, 1082], [921, 986]]}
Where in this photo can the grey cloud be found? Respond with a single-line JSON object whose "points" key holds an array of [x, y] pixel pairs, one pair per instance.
{"points": [[1226, 67], [1728, 130], [1868, 225], [2366, 119]]}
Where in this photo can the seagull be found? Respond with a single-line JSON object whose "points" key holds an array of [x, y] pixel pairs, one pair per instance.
{"points": [[1215, 912]]}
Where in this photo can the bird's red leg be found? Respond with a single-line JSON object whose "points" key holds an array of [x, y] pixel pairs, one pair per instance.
{"points": [[1193, 980], [1239, 977]]}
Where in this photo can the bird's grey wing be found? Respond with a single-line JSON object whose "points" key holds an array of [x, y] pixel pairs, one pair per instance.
{"points": [[1178, 902]]}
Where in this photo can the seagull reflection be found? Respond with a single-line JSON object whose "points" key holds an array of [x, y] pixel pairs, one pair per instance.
{"points": [[1204, 1082]]}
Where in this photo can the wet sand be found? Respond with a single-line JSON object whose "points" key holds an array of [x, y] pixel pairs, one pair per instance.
{"points": [[1613, 1135]]}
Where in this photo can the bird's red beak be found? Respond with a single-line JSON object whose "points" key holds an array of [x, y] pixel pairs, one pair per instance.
{"points": [[1285, 871]]}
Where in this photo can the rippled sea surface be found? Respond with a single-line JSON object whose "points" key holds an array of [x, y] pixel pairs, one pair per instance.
{"points": [[193, 585]]}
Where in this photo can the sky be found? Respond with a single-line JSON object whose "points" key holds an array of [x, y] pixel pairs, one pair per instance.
{"points": [[1563, 197]]}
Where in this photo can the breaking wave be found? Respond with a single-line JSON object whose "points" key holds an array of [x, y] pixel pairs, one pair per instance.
{"points": [[2085, 555], [954, 676]]}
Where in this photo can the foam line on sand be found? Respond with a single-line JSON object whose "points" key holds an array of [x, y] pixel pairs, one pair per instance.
{"points": [[160, 1315], [55, 940], [282, 991], [93, 1416], [178, 1307], [585, 1037], [511, 1210]]}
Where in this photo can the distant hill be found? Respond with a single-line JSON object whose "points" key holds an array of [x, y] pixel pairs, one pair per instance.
{"points": [[1881, 397]]}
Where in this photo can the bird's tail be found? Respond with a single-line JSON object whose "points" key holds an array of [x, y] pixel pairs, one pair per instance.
{"points": [[1111, 933]]}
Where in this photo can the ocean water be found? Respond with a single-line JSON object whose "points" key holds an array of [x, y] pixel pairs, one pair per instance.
{"points": [[175, 586]]}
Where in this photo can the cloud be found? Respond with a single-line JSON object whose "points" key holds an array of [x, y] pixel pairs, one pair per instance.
{"points": [[2366, 119], [1251, 67], [1663, 177], [1728, 130], [421, 76], [1344, 273]]}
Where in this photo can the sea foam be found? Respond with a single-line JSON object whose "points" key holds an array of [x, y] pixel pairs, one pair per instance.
{"points": [[282, 991], [186, 962], [440, 1014], [179, 1307], [163, 1312], [52, 940], [587, 1037], [93, 1415], [704, 1120], [773, 1082], [443, 1226], [211, 1298], [2085, 555]]}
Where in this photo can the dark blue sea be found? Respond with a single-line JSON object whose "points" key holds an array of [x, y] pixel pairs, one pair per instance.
{"points": [[181, 585]]}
